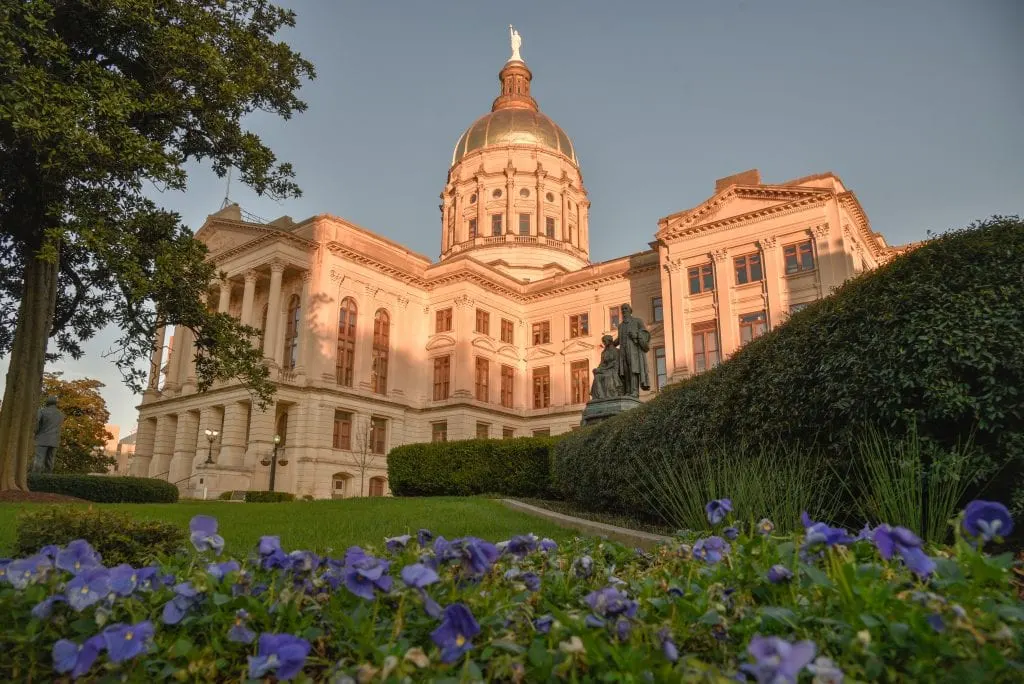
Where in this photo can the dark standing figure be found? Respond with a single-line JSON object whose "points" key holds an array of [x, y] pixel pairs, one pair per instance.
{"points": [[607, 384], [634, 342], [47, 436]]}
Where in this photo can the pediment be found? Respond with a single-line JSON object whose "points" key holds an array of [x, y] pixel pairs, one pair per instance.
{"points": [[538, 353], [509, 351], [575, 347], [440, 342], [220, 237], [736, 202], [484, 342]]}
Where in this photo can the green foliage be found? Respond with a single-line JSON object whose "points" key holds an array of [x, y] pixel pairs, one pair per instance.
{"points": [[105, 489], [513, 467], [931, 339], [83, 434], [255, 496], [225, 496], [117, 537], [770, 482]]}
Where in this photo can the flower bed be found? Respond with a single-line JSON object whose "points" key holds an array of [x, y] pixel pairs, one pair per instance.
{"points": [[741, 604]]}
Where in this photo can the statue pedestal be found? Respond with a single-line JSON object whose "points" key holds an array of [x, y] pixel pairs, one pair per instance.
{"points": [[602, 409]]}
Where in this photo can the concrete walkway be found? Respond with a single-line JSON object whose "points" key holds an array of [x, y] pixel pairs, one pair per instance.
{"points": [[623, 535]]}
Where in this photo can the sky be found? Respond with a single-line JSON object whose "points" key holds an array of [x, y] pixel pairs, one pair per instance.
{"points": [[917, 105]]}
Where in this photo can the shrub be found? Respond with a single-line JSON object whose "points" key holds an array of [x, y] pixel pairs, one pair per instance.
{"points": [[224, 496], [104, 489], [931, 339], [117, 537], [254, 496], [512, 467]]}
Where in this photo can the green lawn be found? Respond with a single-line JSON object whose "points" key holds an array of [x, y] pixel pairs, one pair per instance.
{"points": [[319, 525]]}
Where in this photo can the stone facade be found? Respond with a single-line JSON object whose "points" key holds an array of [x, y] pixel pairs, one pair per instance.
{"points": [[372, 346]]}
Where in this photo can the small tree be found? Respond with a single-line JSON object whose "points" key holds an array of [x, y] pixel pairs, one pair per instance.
{"points": [[363, 453]]}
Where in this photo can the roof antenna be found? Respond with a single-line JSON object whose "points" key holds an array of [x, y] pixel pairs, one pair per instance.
{"points": [[227, 192]]}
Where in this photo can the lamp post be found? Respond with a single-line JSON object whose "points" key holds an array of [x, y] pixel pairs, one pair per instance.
{"points": [[273, 461], [211, 435]]}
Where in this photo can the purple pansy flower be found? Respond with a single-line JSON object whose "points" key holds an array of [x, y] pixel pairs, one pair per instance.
{"points": [[531, 580], [987, 519], [88, 587], [818, 533], [418, 575], [765, 527], [477, 555], [825, 671], [522, 544], [124, 579], [583, 566], [25, 571], [396, 544], [899, 540], [777, 660], [668, 645], [777, 574], [366, 573], [457, 628], [76, 557], [220, 570], [731, 533], [609, 603], [717, 510], [185, 597], [44, 608], [543, 624], [125, 642], [936, 623], [269, 544], [710, 549], [424, 536], [282, 654], [204, 535], [303, 561], [69, 657], [547, 545], [50, 551], [239, 633]]}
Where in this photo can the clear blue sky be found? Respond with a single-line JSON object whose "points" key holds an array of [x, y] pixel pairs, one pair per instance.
{"points": [[918, 106]]}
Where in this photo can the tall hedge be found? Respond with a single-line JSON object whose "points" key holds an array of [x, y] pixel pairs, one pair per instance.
{"points": [[105, 489], [513, 467], [935, 337]]}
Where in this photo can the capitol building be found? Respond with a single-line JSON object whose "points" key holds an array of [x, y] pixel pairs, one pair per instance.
{"points": [[371, 345]]}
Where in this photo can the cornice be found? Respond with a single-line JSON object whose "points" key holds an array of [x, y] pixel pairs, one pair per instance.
{"points": [[750, 217], [848, 200], [706, 209]]}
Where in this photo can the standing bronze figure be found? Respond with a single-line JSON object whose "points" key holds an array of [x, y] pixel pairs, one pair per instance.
{"points": [[634, 341], [48, 424]]}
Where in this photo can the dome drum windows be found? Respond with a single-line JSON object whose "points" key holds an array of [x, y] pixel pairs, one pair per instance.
{"points": [[496, 194], [524, 193], [550, 197]]}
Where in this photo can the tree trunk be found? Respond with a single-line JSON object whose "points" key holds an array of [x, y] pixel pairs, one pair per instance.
{"points": [[25, 373]]}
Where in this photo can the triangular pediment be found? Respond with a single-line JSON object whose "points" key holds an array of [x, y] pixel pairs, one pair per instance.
{"points": [[221, 237], [440, 342], [575, 347], [736, 203], [483, 342], [508, 351], [538, 353]]}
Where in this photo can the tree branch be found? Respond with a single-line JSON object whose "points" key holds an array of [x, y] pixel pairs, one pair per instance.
{"points": [[80, 290]]}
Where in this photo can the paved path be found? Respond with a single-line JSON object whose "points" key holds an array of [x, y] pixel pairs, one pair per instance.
{"points": [[623, 535]]}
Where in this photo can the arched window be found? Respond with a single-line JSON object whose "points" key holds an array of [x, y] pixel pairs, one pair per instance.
{"points": [[340, 485], [377, 486], [345, 362], [381, 340], [291, 335]]}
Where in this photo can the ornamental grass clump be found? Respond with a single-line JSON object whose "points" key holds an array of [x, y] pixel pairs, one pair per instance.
{"points": [[751, 604]]}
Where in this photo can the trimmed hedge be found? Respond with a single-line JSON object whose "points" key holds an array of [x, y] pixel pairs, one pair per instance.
{"points": [[256, 496], [935, 337], [513, 467], [117, 537], [104, 489]]}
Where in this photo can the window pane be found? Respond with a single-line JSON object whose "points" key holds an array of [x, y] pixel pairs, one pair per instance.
{"points": [[524, 224], [472, 228], [741, 270], [496, 224], [709, 279], [694, 276], [549, 226]]}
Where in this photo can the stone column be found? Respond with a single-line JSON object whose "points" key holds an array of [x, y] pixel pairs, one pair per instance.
{"points": [[671, 308], [171, 381], [728, 323], [184, 448], [459, 225], [273, 312], [565, 214], [225, 297], [156, 357], [248, 297], [463, 368], [305, 323], [446, 222], [232, 438], [482, 229], [826, 261], [188, 361], [163, 447], [261, 439], [540, 201], [510, 208], [773, 274], [145, 439], [584, 225]]}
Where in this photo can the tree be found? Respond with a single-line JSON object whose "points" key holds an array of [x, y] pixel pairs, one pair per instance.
{"points": [[98, 99], [84, 432], [364, 455]]}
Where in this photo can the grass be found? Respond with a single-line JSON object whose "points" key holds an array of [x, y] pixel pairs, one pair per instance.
{"points": [[320, 525]]}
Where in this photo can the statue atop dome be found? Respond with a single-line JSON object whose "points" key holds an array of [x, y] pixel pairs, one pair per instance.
{"points": [[517, 42]]}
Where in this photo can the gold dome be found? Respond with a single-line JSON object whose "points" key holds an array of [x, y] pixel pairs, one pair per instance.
{"points": [[514, 127]]}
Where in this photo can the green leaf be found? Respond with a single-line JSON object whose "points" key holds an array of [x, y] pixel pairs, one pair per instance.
{"points": [[538, 654], [784, 615], [181, 647], [710, 618], [869, 620], [816, 576], [220, 599]]}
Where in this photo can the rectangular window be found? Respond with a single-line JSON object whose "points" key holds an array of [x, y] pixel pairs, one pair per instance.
{"points": [[483, 367], [549, 226], [705, 346], [443, 321], [660, 367], [614, 318], [483, 322], [508, 331], [378, 435], [508, 433], [442, 376], [342, 430], [579, 325], [543, 432], [657, 310], [439, 431], [580, 381], [524, 224], [752, 325], [793, 308], [495, 224], [472, 228], [799, 257], [748, 269], [541, 332], [483, 430], [508, 379], [702, 279], [541, 387]]}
